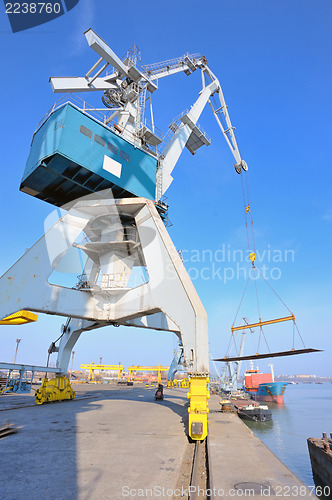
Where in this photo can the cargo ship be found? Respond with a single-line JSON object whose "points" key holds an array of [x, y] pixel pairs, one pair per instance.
{"points": [[262, 387]]}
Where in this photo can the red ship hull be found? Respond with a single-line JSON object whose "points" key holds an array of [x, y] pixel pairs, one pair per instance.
{"points": [[279, 399], [261, 387]]}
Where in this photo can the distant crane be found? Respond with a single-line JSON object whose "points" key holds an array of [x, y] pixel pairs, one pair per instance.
{"points": [[17, 344], [219, 376], [92, 367], [231, 369], [139, 368], [177, 363]]}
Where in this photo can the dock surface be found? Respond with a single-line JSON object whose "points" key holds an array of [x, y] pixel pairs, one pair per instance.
{"points": [[118, 442], [240, 461]]}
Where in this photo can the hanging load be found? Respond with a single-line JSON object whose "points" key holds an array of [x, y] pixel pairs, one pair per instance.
{"points": [[238, 357], [268, 355], [254, 273]]}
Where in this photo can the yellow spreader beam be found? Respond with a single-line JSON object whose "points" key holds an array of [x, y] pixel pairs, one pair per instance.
{"points": [[19, 318], [262, 323]]}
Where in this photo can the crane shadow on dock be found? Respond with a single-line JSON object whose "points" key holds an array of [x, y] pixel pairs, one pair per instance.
{"points": [[69, 449]]}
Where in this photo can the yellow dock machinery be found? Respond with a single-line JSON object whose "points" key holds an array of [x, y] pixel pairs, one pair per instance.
{"points": [[92, 367], [55, 389], [139, 368]]}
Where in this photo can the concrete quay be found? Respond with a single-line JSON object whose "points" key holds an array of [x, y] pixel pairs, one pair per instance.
{"points": [[98, 448], [118, 442], [241, 462]]}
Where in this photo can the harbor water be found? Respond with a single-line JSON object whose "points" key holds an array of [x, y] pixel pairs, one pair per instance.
{"points": [[306, 413]]}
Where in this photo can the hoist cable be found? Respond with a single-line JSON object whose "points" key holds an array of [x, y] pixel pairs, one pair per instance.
{"points": [[230, 347], [245, 289], [251, 217], [267, 345], [274, 292], [259, 338], [257, 299], [245, 211], [229, 343], [248, 188], [298, 331]]}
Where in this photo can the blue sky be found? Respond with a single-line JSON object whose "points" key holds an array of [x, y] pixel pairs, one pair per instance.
{"points": [[273, 59]]}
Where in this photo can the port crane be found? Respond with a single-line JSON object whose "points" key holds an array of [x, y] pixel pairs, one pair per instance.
{"points": [[133, 368], [92, 367], [177, 363], [125, 94], [108, 169], [231, 369]]}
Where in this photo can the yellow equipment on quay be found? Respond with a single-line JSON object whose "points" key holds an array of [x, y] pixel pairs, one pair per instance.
{"points": [[92, 367], [184, 383], [198, 409], [139, 368], [54, 389]]}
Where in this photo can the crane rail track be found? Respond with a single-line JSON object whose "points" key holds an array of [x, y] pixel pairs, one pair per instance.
{"points": [[201, 476]]}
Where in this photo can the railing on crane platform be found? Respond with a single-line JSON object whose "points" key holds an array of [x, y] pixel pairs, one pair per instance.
{"points": [[176, 121], [169, 64], [102, 116], [111, 281]]}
